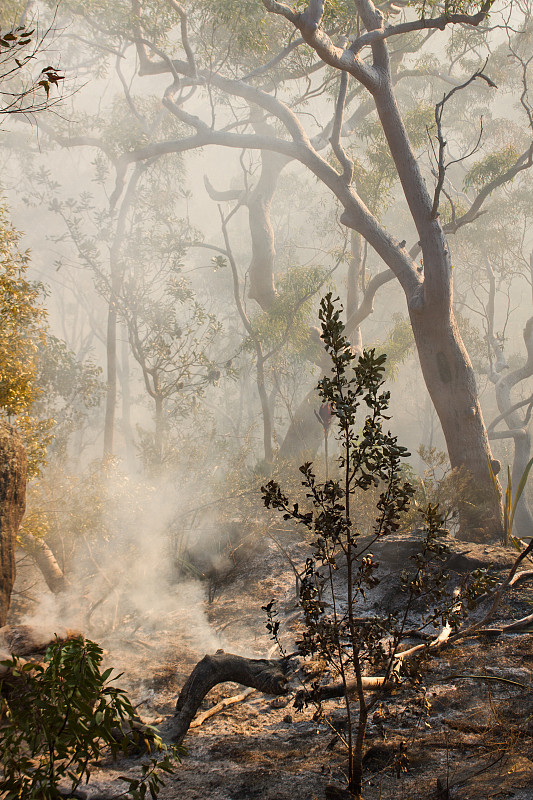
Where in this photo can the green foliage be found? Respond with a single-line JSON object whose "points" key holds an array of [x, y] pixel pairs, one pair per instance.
{"points": [[511, 500], [287, 321], [398, 345], [336, 12], [490, 167], [22, 324], [244, 22], [431, 8], [22, 335], [170, 335], [44, 389], [69, 390], [62, 715]]}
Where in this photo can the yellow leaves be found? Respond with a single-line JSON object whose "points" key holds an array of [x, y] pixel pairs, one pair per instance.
{"points": [[22, 331]]}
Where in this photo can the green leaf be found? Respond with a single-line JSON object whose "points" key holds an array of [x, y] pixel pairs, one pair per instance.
{"points": [[519, 490]]}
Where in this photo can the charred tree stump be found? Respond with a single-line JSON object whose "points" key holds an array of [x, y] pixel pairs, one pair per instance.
{"points": [[265, 675], [12, 507]]}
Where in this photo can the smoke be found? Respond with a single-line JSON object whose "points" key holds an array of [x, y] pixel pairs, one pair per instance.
{"points": [[125, 577]]}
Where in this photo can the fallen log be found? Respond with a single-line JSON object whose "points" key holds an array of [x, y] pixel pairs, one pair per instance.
{"points": [[20, 640], [266, 675], [23, 640], [523, 624], [271, 676]]}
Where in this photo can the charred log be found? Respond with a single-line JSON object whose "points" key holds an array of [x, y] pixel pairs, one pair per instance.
{"points": [[267, 675]]}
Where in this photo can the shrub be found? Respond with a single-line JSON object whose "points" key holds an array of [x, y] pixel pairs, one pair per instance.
{"points": [[60, 716], [341, 631]]}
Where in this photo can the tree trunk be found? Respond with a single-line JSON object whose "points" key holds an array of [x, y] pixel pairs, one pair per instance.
{"points": [[353, 288], [116, 276], [125, 378], [261, 271], [159, 424], [12, 507], [445, 364], [111, 385], [518, 429], [304, 434], [47, 564], [450, 380]]}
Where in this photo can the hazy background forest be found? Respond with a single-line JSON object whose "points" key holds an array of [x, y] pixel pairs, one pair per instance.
{"points": [[174, 207]]}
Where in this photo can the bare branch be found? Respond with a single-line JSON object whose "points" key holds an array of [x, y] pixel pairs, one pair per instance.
{"points": [[308, 24], [523, 162], [366, 307], [439, 23], [439, 110], [345, 162]]}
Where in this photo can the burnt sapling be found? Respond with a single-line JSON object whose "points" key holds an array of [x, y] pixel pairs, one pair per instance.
{"points": [[339, 633]]}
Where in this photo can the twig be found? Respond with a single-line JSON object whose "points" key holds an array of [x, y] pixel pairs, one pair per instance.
{"points": [[489, 678]]}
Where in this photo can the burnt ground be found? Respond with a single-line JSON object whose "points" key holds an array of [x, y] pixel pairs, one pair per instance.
{"points": [[465, 733]]}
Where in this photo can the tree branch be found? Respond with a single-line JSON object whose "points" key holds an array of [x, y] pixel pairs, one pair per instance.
{"points": [[345, 162], [439, 23]]}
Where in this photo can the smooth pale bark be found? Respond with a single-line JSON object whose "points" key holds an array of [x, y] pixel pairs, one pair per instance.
{"points": [[111, 375], [125, 378], [450, 380], [261, 273], [355, 268], [159, 427], [12, 507]]}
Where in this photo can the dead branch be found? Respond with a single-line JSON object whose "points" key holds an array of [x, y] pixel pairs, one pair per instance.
{"points": [[441, 164], [512, 627], [227, 701]]}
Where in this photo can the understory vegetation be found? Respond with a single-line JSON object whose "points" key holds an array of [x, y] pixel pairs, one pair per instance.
{"points": [[60, 716]]}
